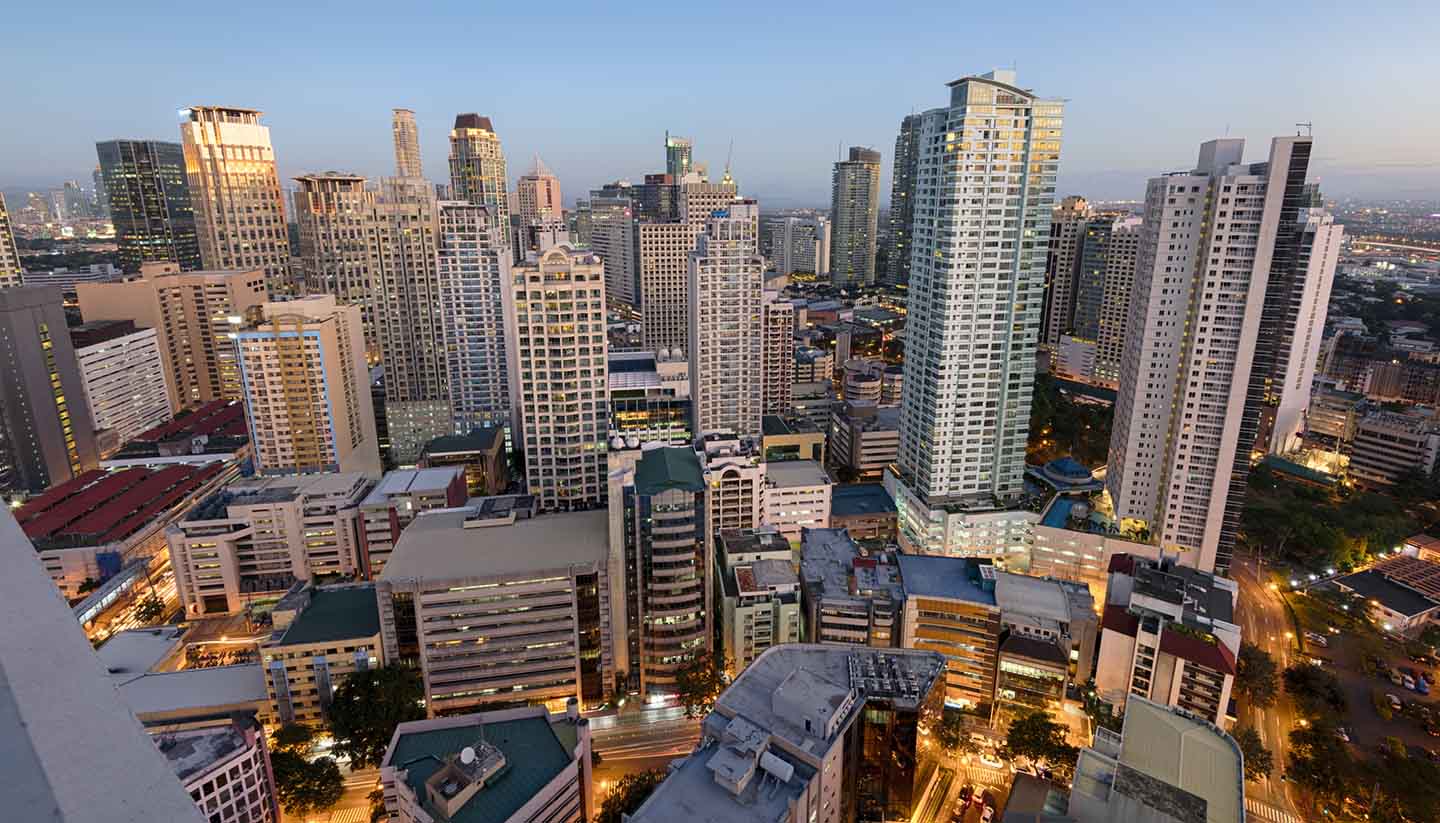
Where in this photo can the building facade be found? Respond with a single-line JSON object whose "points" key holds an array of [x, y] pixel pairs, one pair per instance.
{"points": [[855, 215], [406, 137], [902, 200], [149, 200], [10, 269], [333, 213], [477, 167], [777, 368], [124, 377], [474, 270], [321, 635], [727, 324], [394, 503]]}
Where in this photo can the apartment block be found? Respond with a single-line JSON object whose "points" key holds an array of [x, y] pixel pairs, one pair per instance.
{"points": [[864, 439], [777, 369], [474, 271], [849, 595], [11, 271], [1390, 445], [333, 212], [797, 497], [801, 245], [855, 215], [477, 167], [760, 598], [124, 377], [734, 481], [321, 635], [902, 200], [396, 501], [727, 333]]}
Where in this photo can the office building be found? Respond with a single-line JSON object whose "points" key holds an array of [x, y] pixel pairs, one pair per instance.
{"points": [[1166, 764], [801, 245], [864, 439], [481, 454], [477, 167], [193, 315], [522, 765], [537, 195], [333, 213], [474, 270], [306, 389], [865, 510], [613, 238], [407, 143], [950, 608], [760, 597], [974, 315], [555, 341], [663, 244], [649, 399], [777, 369], [854, 215], [814, 401], [451, 592], [395, 502], [797, 497], [1049, 635], [123, 375], [148, 195], [224, 764], [811, 733], [1183, 425], [872, 381], [11, 271], [660, 537], [849, 595], [239, 211], [1090, 276], [678, 155], [1388, 446], [256, 538], [727, 324], [791, 438], [47, 435], [902, 200], [1168, 634], [813, 364], [320, 636]]}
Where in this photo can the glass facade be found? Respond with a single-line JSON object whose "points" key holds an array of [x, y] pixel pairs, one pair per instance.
{"points": [[149, 199]]}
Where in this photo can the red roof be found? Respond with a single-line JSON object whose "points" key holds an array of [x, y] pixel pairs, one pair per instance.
{"points": [[176, 493], [37, 505], [1211, 654], [1119, 619], [79, 504], [1122, 563], [116, 505], [207, 419]]}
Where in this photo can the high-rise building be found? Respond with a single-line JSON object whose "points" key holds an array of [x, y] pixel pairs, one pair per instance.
{"points": [[802, 244], [613, 237], [649, 399], [855, 215], [407, 143], [333, 213], [1067, 232], [974, 315], [124, 376], [474, 271], [734, 481], [477, 167], [902, 199], [678, 155], [663, 249], [1119, 284], [555, 339], [306, 389], [658, 526], [1091, 273], [777, 355], [193, 315], [239, 210], [1200, 287], [727, 323], [10, 269], [46, 434], [148, 195], [101, 198], [537, 195]]}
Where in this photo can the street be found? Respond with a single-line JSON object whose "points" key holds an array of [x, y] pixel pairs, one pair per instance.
{"points": [[636, 741]]}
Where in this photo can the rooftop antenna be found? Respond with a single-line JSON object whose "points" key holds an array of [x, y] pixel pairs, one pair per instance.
{"points": [[729, 155], [1308, 126]]}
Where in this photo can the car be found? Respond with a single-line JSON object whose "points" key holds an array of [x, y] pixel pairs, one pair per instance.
{"points": [[992, 761], [1396, 678], [987, 815], [1318, 661], [1394, 702], [1408, 681], [1342, 733], [1432, 730], [1317, 639], [1421, 686]]}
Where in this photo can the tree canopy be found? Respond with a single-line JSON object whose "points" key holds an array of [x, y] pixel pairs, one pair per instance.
{"points": [[1259, 762], [303, 787], [368, 706], [1040, 739], [292, 737], [1316, 691], [629, 793], [700, 682], [1321, 763], [1257, 677]]}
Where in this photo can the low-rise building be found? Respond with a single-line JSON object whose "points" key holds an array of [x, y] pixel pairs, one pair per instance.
{"points": [[864, 438], [225, 766], [791, 438], [208, 433], [520, 765], [1403, 592], [481, 453], [813, 364], [865, 510], [813, 401], [760, 594], [950, 608], [396, 501], [1390, 445], [256, 538], [849, 595], [321, 635], [650, 397], [797, 497], [1077, 536]]}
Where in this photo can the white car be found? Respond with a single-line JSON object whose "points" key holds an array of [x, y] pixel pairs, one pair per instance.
{"points": [[992, 761], [1395, 702]]}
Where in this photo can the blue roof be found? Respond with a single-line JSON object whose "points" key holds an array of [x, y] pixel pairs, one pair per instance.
{"points": [[860, 498], [957, 578], [1058, 515], [1068, 467]]}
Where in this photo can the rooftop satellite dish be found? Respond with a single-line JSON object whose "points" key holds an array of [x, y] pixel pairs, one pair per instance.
{"points": [[467, 755]]}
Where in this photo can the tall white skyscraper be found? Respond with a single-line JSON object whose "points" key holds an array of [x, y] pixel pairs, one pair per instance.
{"points": [[984, 191], [239, 213], [1181, 416], [802, 244], [474, 269], [727, 284], [855, 215], [612, 236]]}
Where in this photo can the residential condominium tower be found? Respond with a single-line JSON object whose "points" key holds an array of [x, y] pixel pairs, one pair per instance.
{"points": [[678, 155], [407, 143], [537, 195], [474, 270], [239, 211], [477, 166], [854, 216], [10, 270], [902, 200], [149, 199], [727, 285], [984, 190], [333, 212]]}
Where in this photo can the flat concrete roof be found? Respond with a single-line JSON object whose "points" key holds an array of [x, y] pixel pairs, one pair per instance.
{"points": [[137, 651], [1186, 753], [437, 545], [412, 481], [794, 474], [1041, 597], [213, 690], [955, 578]]}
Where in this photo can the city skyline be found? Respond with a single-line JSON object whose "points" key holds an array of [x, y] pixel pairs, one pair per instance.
{"points": [[784, 145]]}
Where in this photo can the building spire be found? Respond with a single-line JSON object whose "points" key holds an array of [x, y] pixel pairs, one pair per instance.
{"points": [[539, 169]]}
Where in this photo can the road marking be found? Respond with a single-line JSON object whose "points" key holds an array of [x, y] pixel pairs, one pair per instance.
{"points": [[359, 814], [1268, 812]]}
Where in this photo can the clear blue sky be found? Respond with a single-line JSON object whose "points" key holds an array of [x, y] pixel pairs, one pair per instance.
{"points": [[592, 87]]}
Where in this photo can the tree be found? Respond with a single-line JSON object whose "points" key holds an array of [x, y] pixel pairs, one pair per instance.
{"points": [[951, 733], [1320, 762], [150, 609], [1037, 737], [1316, 692], [629, 793], [1259, 762], [378, 811], [700, 682], [292, 737], [368, 706], [89, 584], [1409, 788], [304, 787], [1257, 675]]}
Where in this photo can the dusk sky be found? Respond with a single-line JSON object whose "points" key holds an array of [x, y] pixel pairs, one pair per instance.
{"points": [[593, 87]]}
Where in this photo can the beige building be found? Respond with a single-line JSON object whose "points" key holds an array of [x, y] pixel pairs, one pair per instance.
{"points": [[10, 269], [239, 211], [537, 195], [333, 212], [555, 341], [477, 167], [734, 481], [307, 389], [777, 370], [797, 497], [395, 502], [726, 323], [760, 597], [321, 636], [407, 143], [193, 315], [663, 250]]}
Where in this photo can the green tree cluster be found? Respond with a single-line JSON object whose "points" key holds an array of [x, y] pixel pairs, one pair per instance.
{"points": [[1061, 426], [1037, 737], [1318, 528], [700, 682], [303, 786], [368, 706], [1259, 761], [629, 793], [1257, 677], [1316, 691]]}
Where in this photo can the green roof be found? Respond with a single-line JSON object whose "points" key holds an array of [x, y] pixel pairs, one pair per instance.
{"points": [[482, 439], [533, 753], [335, 614], [673, 467]]}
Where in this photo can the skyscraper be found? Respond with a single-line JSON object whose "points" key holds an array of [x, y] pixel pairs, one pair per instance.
{"points": [[1201, 281], [777, 370], [10, 270], [854, 216], [1119, 284], [46, 433], [678, 155], [149, 200], [663, 251], [727, 284], [1067, 234], [333, 212], [307, 389], [802, 244], [902, 199], [474, 271], [407, 143], [974, 315], [537, 195], [239, 213], [555, 341], [612, 236], [477, 167]]}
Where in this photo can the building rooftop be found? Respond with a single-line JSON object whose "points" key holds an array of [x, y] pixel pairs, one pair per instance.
{"points": [[100, 331], [533, 756], [1018, 645], [191, 753], [666, 468], [1184, 753], [334, 614], [761, 576], [459, 543], [137, 651], [224, 418], [206, 692], [857, 499], [1416, 574], [830, 560], [954, 578], [766, 539], [412, 481], [1201, 593], [773, 425], [267, 491], [1373, 584], [1044, 597], [101, 507], [794, 474], [481, 440]]}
